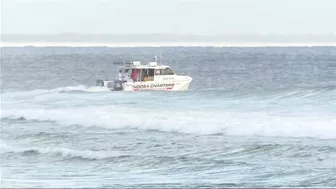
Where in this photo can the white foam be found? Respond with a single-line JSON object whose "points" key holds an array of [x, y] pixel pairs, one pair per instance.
{"points": [[319, 125], [237, 121], [82, 88]]}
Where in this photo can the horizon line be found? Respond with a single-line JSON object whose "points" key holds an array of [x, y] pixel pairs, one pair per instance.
{"points": [[107, 45], [190, 34]]}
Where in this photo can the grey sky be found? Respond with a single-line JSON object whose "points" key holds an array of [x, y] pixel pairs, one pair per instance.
{"points": [[206, 17]]}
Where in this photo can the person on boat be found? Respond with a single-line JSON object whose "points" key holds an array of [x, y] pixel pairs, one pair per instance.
{"points": [[120, 76], [135, 75], [128, 77]]}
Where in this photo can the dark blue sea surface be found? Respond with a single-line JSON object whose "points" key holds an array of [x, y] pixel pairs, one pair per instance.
{"points": [[252, 117]]}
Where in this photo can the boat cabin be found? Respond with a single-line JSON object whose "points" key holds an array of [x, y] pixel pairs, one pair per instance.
{"points": [[142, 73]]}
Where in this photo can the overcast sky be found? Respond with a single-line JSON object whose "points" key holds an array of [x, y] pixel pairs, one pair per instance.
{"points": [[206, 17]]}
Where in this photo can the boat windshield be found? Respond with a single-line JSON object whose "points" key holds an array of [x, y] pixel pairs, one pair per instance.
{"points": [[166, 71]]}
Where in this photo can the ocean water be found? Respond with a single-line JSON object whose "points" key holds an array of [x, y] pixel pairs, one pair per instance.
{"points": [[253, 117]]}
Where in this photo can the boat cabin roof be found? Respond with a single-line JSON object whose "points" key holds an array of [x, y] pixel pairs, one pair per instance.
{"points": [[150, 65], [145, 67]]}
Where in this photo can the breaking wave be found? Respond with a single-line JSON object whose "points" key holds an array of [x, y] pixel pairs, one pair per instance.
{"points": [[280, 113], [287, 150], [296, 93], [63, 152], [194, 122], [79, 88]]}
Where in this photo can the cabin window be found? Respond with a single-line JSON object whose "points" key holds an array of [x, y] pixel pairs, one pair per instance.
{"points": [[148, 75], [150, 72], [166, 71]]}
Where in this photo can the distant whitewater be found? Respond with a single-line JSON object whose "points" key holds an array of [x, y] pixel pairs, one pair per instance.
{"points": [[165, 40], [253, 117], [167, 44]]}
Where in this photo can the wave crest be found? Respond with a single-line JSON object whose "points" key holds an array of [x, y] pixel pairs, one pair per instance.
{"points": [[264, 113], [63, 152], [193, 122]]}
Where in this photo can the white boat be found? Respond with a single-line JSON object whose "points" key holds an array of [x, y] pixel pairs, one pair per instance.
{"points": [[134, 76]]}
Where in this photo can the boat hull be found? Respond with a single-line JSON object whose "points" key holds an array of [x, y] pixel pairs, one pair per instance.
{"points": [[173, 85], [157, 86]]}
